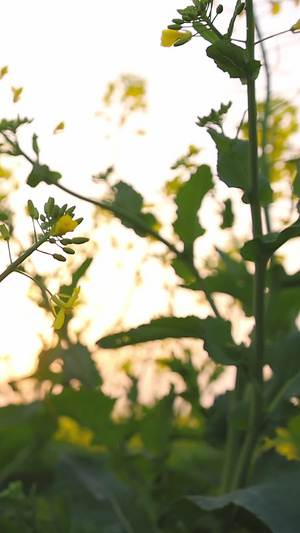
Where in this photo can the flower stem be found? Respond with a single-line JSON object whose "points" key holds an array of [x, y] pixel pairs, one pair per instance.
{"points": [[13, 266]]}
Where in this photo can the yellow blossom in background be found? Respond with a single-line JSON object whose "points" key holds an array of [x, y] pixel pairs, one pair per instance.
{"points": [[60, 127], [275, 7], [296, 27], [283, 444], [16, 93], [64, 224], [70, 431], [3, 71], [169, 37], [64, 307]]}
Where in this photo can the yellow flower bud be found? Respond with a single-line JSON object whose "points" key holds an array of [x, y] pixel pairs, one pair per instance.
{"points": [[296, 27]]}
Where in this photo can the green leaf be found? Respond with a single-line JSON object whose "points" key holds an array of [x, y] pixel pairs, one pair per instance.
{"points": [[157, 426], [129, 204], [275, 502], [42, 173], [114, 506], [188, 201], [215, 332], [207, 34], [77, 363], [233, 278], [92, 409], [35, 145], [13, 125], [227, 214], [264, 247], [284, 360], [233, 59], [233, 160], [296, 183]]}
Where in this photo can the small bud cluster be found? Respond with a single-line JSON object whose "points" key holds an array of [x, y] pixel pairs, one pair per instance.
{"points": [[201, 12], [57, 221]]}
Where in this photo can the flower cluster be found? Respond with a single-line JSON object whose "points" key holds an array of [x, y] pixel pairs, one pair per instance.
{"points": [[200, 18], [56, 222]]}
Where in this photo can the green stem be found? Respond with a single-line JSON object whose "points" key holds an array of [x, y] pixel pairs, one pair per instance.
{"points": [[233, 435], [256, 368], [265, 166], [13, 266]]}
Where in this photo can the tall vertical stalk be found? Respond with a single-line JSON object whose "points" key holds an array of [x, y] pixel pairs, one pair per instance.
{"points": [[239, 477]]}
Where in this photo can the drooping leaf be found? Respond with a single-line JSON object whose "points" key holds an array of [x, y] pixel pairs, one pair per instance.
{"points": [[233, 160], [215, 332], [188, 201], [274, 502], [128, 205]]}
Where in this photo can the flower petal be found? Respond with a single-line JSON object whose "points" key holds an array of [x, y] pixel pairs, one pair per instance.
{"points": [[60, 318], [63, 225], [169, 37]]}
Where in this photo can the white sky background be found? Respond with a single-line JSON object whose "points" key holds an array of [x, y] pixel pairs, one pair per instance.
{"points": [[63, 53]]}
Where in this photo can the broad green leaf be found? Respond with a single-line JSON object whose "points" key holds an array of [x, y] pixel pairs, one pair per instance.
{"points": [[233, 59], [114, 505], [42, 173], [188, 201], [274, 502], [233, 160], [216, 334]]}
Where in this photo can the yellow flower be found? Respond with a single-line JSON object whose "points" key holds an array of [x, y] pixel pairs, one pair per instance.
{"points": [[283, 444], [169, 37], [296, 27], [16, 93], [63, 225], [70, 431], [59, 127], [65, 307], [3, 71]]}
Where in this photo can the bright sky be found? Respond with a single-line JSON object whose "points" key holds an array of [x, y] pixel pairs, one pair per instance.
{"points": [[63, 53]]}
